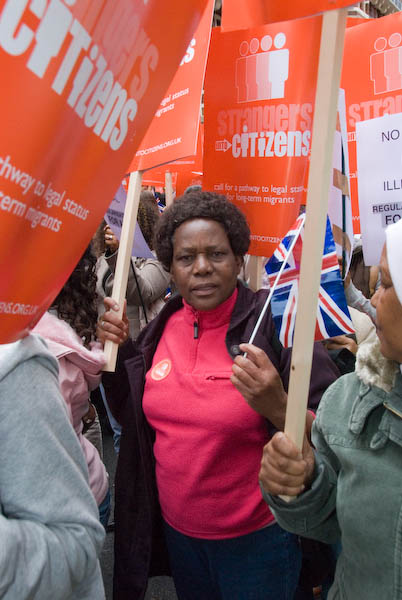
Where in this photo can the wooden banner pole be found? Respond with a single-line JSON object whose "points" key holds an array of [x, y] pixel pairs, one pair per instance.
{"points": [[326, 104], [124, 258], [254, 272], [168, 188]]}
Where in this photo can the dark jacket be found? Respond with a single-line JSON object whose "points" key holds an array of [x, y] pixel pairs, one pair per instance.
{"points": [[140, 550]]}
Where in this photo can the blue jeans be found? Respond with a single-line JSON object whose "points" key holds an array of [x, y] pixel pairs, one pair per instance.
{"points": [[263, 565], [116, 427], [104, 510]]}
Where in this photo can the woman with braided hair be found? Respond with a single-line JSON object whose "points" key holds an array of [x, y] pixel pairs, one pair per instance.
{"points": [[69, 330]]}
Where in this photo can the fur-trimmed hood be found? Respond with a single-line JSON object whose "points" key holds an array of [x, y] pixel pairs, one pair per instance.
{"points": [[373, 369]]}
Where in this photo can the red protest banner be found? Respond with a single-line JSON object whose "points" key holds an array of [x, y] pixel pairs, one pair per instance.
{"points": [[173, 131], [259, 96], [353, 21], [156, 177], [185, 171], [372, 79], [237, 14], [80, 86]]}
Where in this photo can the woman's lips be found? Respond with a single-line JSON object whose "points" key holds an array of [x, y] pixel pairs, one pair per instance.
{"points": [[204, 290]]}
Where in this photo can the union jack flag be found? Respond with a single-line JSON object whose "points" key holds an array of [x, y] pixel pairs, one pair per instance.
{"points": [[333, 316]]}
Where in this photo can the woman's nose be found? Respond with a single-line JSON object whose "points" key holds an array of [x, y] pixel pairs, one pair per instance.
{"points": [[201, 264]]}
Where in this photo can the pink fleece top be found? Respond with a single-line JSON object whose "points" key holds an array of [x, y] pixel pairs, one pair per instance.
{"points": [[79, 373], [209, 441]]}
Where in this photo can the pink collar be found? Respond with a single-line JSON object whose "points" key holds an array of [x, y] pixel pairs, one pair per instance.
{"points": [[209, 319]]}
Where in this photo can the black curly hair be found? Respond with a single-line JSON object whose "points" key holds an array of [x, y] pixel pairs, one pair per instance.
{"points": [[76, 302], [98, 241], [201, 205], [148, 216]]}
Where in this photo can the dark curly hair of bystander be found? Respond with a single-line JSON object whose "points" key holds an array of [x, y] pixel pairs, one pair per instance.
{"points": [[201, 205], [148, 216], [76, 301]]}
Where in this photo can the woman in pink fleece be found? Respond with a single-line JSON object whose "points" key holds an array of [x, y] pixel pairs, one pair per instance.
{"points": [[69, 330], [196, 415]]}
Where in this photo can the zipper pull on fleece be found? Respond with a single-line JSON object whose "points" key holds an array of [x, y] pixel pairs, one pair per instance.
{"points": [[195, 330]]}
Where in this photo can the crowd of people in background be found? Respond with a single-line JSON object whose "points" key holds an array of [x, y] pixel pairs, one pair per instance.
{"points": [[198, 415]]}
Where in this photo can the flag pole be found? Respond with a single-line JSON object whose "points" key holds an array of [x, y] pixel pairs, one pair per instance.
{"points": [[324, 123], [343, 216], [124, 258], [273, 287]]}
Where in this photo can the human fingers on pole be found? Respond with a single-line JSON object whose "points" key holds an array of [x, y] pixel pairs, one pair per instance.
{"points": [[253, 367], [255, 355], [283, 469], [258, 381], [248, 378], [256, 364], [111, 240], [111, 325]]}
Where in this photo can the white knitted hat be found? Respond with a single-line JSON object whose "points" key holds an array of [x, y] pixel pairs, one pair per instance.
{"points": [[394, 255]]}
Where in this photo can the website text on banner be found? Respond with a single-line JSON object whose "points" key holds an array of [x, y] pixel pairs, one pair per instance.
{"points": [[81, 84], [379, 157], [372, 79], [238, 14], [185, 171], [173, 130], [259, 97]]}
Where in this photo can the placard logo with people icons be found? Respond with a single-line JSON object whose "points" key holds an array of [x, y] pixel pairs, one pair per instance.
{"points": [[262, 69]]}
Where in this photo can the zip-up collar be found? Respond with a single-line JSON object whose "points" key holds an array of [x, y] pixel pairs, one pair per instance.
{"points": [[247, 303], [210, 319]]}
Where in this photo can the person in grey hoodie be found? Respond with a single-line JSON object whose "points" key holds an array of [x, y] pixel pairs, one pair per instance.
{"points": [[49, 528]]}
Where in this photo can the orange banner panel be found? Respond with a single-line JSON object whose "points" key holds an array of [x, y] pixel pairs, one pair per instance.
{"points": [[187, 169], [241, 14], [173, 130], [80, 86], [372, 79], [184, 180], [259, 97]]}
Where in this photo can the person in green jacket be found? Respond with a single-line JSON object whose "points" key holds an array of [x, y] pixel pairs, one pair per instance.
{"points": [[349, 487]]}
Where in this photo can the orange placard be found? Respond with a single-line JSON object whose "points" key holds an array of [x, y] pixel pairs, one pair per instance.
{"points": [[156, 178], [353, 21], [193, 163], [184, 180], [173, 131], [372, 79], [185, 171], [81, 84], [241, 14], [259, 96]]}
